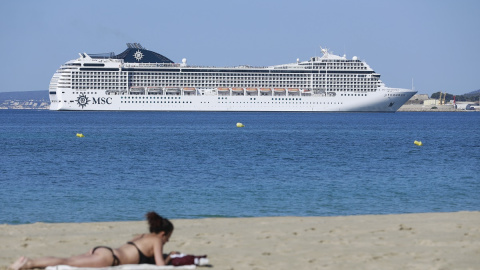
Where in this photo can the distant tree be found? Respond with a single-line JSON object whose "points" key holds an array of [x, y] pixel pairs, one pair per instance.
{"points": [[466, 98], [437, 96], [449, 97], [460, 98]]}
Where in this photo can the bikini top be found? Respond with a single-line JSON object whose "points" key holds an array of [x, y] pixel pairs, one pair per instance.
{"points": [[141, 257]]}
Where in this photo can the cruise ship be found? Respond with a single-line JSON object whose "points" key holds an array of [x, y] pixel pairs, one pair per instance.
{"points": [[142, 80]]}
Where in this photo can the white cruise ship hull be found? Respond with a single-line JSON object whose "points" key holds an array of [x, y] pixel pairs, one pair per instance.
{"points": [[380, 101]]}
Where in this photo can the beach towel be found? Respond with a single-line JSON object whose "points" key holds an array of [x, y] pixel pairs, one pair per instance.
{"points": [[123, 267], [180, 259]]}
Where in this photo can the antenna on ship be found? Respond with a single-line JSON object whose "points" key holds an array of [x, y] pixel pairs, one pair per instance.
{"points": [[324, 51]]}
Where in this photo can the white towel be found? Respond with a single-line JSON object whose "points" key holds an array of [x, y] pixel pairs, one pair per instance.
{"points": [[122, 267]]}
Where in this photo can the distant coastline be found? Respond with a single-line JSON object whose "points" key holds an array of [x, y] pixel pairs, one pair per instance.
{"points": [[39, 100], [25, 100], [430, 108]]}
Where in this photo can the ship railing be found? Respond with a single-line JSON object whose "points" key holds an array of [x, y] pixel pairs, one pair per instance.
{"points": [[228, 67], [388, 89], [102, 55], [289, 67], [150, 65]]}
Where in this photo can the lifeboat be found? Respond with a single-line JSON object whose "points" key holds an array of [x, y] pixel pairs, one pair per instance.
{"points": [[293, 91], [252, 91], [172, 90], [189, 91], [137, 90], [223, 89], [154, 90], [237, 91], [279, 90], [306, 91], [265, 90]]}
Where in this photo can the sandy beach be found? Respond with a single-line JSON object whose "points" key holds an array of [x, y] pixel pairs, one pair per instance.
{"points": [[407, 241]]}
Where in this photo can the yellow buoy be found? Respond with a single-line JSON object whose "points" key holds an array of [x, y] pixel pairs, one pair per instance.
{"points": [[80, 135], [419, 143], [240, 125]]}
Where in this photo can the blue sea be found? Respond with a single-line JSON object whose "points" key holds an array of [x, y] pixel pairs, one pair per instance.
{"points": [[199, 164]]}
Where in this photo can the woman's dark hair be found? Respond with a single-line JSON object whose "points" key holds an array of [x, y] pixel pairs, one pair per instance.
{"points": [[159, 224]]}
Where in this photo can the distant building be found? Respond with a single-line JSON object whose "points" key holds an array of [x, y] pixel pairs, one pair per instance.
{"points": [[465, 106], [433, 102], [419, 97]]}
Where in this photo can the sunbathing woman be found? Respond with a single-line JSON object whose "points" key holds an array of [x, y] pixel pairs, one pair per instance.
{"points": [[146, 248]]}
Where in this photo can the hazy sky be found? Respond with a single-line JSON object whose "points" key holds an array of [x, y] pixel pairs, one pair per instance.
{"points": [[436, 43]]}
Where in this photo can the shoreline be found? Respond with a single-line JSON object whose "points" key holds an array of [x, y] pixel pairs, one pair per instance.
{"points": [[428, 108], [395, 241]]}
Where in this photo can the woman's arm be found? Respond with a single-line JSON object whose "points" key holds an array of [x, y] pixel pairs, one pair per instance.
{"points": [[167, 259], [158, 253]]}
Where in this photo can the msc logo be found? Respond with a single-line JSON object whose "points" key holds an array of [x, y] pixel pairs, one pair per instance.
{"points": [[83, 100]]}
